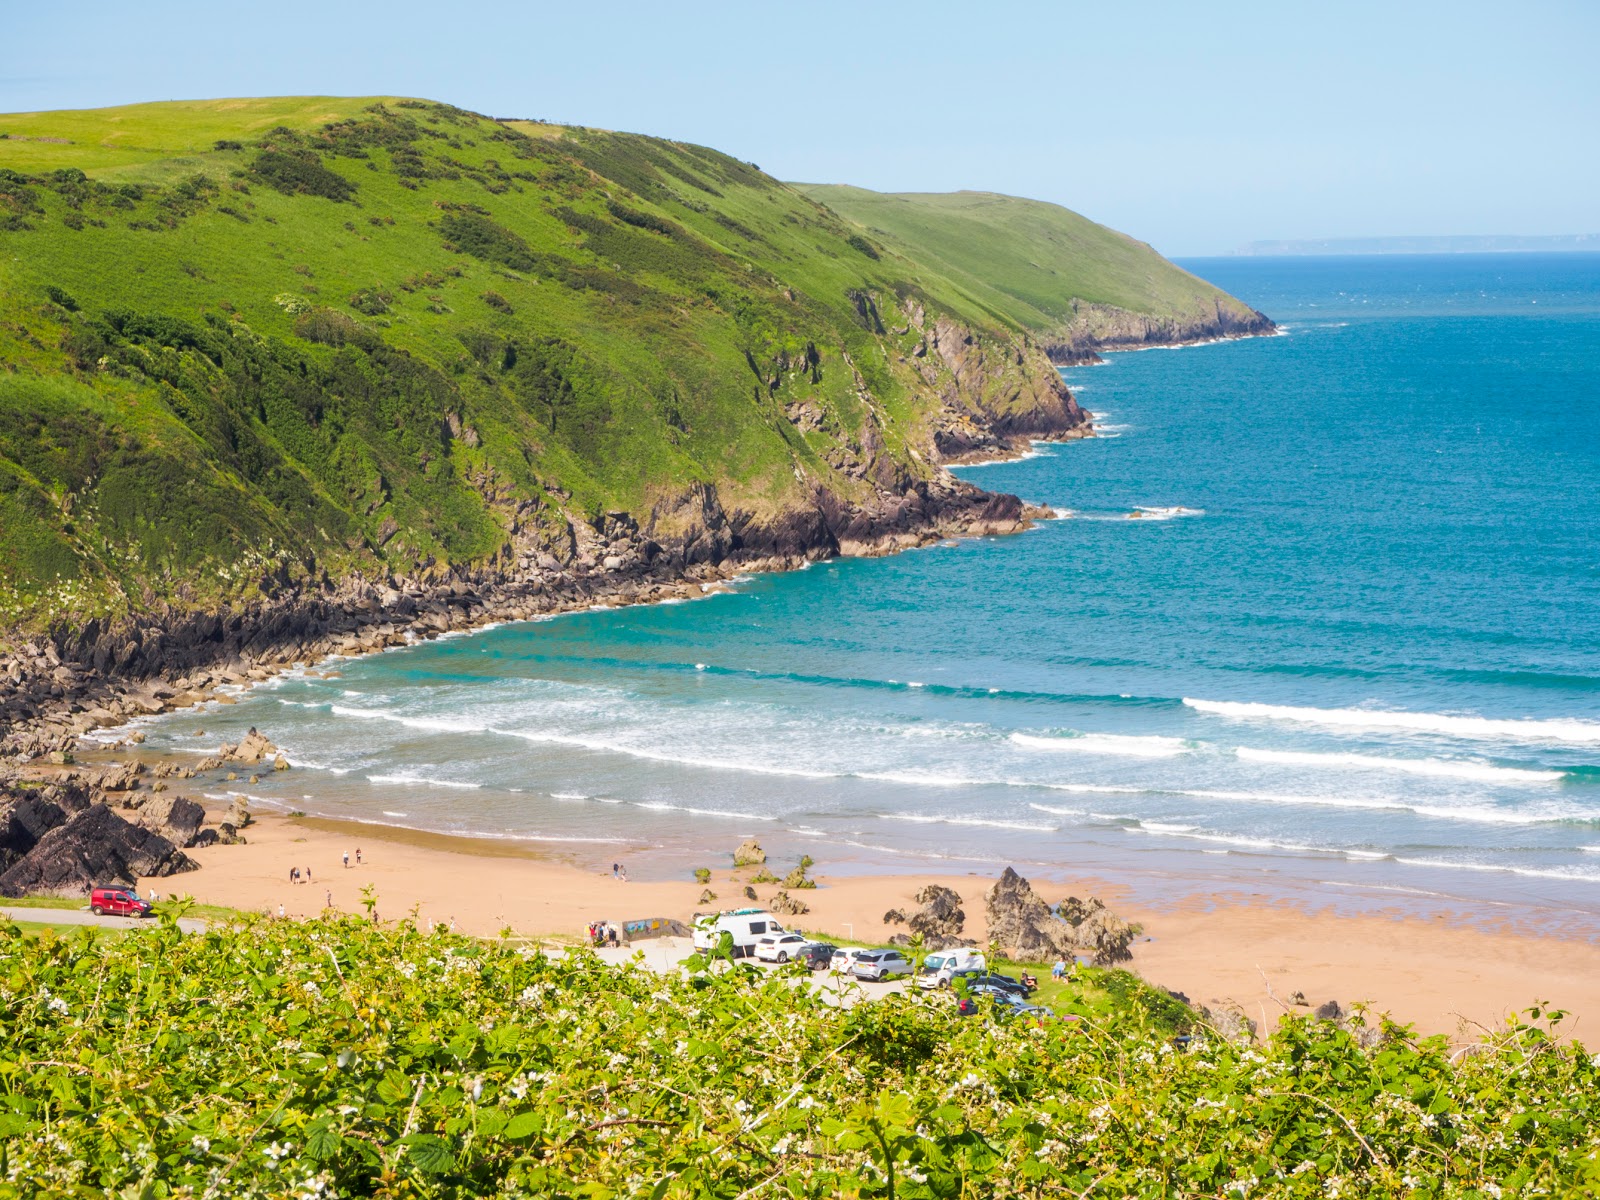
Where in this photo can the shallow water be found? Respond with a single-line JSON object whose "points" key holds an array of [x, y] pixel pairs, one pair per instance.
{"points": [[1351, 639]]}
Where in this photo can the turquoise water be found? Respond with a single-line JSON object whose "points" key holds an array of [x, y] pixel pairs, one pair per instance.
{"points": [[1352, 640]]}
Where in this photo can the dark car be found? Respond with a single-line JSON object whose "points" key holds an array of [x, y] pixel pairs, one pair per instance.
{"points": [[817, 955], [992, 982]]}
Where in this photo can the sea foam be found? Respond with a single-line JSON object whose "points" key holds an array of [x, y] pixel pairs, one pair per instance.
{"points": [[1559, 730]]}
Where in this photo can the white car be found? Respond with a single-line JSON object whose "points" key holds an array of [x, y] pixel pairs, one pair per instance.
{"points": [[844, 958], [779, 947], [880, 965]]}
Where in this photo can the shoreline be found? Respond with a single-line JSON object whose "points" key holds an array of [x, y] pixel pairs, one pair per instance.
{"points": [[1222, 948]]}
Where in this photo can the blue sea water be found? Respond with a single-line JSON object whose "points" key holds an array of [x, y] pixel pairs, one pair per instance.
{"points": [[1322, 610]]}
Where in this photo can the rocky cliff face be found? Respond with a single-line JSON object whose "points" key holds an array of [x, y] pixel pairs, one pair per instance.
{"points": [[1096, 327], [990, 398]]}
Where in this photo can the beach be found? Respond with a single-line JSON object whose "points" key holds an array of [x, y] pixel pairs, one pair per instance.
{"points": [[1221, 949]]}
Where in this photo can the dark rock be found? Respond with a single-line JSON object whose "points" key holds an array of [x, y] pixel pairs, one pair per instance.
{"points": [[25, 817], [174, 818], [1022, 926], [894, 916], [750, 893], [95, 847], [1330, 1011], [941, 918]]}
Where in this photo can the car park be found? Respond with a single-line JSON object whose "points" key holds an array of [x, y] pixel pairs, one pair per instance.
{"points": [[779, 947], [880, 965]]}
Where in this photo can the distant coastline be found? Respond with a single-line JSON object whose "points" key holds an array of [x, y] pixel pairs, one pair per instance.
{"points": [[1567, 243]]}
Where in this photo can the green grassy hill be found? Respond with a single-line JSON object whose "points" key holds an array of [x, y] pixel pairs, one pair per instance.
{"points": [[254, 346], [250, 343], [1076, 284]]}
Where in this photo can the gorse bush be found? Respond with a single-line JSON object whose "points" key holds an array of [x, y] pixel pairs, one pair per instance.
{"points": [[338, 1058], [300, 172]]}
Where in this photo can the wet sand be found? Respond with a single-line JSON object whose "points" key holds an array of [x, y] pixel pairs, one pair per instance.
{"points": [[1441, 975]]}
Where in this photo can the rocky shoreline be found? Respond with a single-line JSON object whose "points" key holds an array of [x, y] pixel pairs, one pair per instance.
{"points": [[54, 690], [1098, 329]]}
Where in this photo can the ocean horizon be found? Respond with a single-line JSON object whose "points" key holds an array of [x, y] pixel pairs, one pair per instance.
{"points": [[1320, 617]]}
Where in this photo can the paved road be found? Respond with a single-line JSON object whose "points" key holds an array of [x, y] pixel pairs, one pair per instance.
{"points": [[77, 916]]}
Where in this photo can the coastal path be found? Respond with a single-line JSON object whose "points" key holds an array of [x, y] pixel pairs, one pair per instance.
{"points": [[73, 916]]}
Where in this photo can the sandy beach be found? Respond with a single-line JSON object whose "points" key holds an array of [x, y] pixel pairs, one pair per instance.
{"points": [[1441, 975]]}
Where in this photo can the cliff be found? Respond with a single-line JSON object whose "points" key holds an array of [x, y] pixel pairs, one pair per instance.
{"points": [[1077, 286]]}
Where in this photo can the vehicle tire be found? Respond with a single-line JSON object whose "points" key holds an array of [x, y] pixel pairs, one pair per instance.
{"points": [[783, 956], [97, 910]]}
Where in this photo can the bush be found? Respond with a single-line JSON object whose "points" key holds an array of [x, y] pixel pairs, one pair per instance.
{"points": [[475, 234], [856, 242], [498, 302], [57, 296], [372, 301], [300, 173]]}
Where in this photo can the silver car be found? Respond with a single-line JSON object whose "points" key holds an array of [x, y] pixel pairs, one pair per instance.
{"points": [[880, 965]]}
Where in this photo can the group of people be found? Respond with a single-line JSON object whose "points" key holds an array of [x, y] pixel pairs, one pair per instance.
{"points": [[347, 858], [296, 875], [618, 871], [603, 933]]}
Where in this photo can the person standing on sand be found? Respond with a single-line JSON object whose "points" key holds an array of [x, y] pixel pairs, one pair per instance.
{"points": [[280, 912], [308, 874], [347, 860], [358, 856], [614, 869], [330, 898], [623, 874]]}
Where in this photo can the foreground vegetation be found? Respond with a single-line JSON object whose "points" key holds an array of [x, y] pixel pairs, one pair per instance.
{"points": [[337, 1058]]}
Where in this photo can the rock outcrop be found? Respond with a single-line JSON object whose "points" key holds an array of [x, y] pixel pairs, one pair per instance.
{"points": [[173, 817], [1094, 328], [96, 847], [1098, 930], [1021, 925], [749, 854], [788, 905], [940, 920]]}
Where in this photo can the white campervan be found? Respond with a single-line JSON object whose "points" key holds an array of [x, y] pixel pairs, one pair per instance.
{"points": [[745, 924], [939, 966]]}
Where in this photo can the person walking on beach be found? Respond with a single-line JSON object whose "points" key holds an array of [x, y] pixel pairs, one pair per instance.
{"points": [[623, 873], [347, 860], [280, 911], [358, 856], [330, 898], [614, 869], [308, 874]]}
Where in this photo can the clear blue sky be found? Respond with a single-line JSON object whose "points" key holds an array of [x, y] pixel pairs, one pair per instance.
{"points": [[1196, 127]]}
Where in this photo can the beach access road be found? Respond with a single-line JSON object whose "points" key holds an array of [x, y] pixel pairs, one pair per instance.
{"points": [[668, 954], [74, 916]]}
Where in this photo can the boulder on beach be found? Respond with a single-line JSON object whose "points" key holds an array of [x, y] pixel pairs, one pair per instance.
{"points": [[252, 748], [788, 905], [1098, 930], [749, 854], [175, 818], [941, 918], [1021, 926], [96, 847]]}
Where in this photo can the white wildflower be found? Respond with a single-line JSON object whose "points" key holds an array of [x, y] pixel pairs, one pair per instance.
{"points": [[276, 1153], [805, 1102], [200, 1145]]}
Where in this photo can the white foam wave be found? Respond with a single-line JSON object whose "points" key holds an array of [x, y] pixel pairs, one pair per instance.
{"points": [[568, 796], [663, 806], [1107, 743], [1558, 730], [971, 822], [1436, 767], [1574, 875], [390, 813], [422, 781]]}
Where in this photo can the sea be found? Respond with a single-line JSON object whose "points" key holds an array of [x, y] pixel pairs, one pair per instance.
{"points": [[1319, 620]]}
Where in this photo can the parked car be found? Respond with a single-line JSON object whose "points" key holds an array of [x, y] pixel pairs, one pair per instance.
{"points": [[880, 965], [779, 947], [818, 955], [993, 982], [938, 968], [118, 902], [744, 925], [844, 958], [1008, 1006]]}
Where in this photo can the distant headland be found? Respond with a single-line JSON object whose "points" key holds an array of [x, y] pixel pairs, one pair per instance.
{"points": [[1564, 243]]}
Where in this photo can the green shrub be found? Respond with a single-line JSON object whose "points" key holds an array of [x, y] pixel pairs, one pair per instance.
{"points": [[702, 874], [498, 302], [300, 173], [856, 242], [475, 234], [371, 301]]}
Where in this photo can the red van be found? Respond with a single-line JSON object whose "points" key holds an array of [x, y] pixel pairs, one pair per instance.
{"points": [[118, 902]]}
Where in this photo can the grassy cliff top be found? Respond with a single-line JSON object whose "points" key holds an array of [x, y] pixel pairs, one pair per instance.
{"points": [[1031, 261]]}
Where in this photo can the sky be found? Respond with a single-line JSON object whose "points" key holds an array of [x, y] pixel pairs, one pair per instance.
{"points": [[1195, 127]]}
